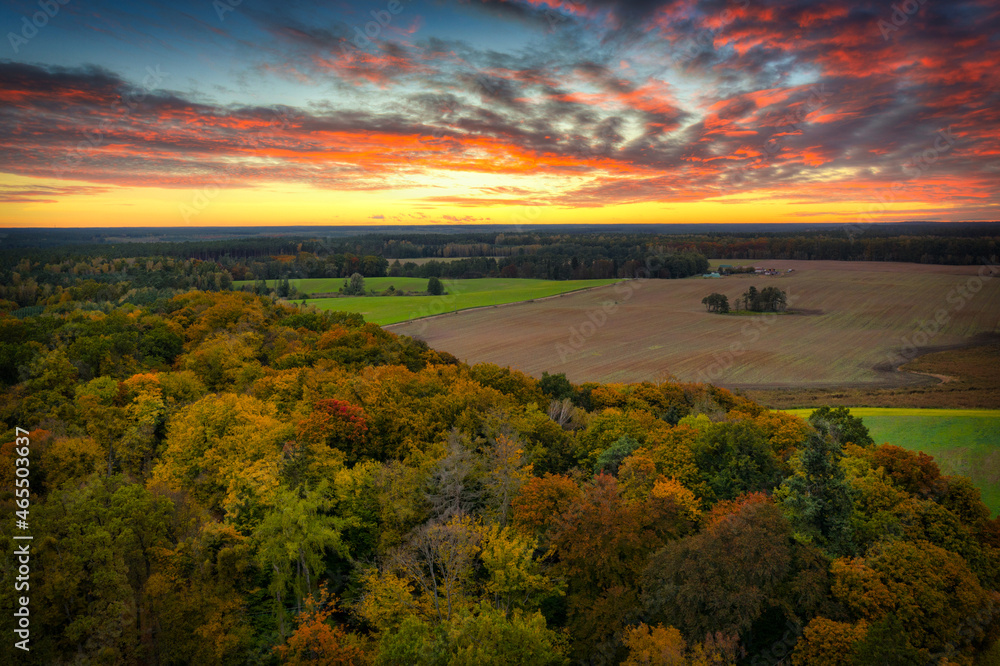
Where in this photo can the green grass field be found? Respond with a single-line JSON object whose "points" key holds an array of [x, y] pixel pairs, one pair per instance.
{"points": [[965, 442], [461, 295], [332, 285]]}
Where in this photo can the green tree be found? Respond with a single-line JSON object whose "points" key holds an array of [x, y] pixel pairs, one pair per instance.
{"points": [[515, 579], [736, 458], [160, 345], [98, 545], [611, 458], [841, 425], [716, 302], [145, 417], [292, 542], [354, 285], [886, 644], [415, 642], [556, 386], [435, 287], [816, 499], [198, 594], [772, 299], [490, 638], [374, 266]]}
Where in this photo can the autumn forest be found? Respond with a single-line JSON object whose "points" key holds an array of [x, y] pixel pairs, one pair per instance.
{"points": [[220, 478]]}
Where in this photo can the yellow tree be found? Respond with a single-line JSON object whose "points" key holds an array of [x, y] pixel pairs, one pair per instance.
{"points": [[226, 450], [654, 646], [389, 597], [637, 474], [828, 643], [514, 579], [671, 451]]}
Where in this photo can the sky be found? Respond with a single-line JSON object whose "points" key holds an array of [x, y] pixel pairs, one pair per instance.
{"points": [[300, 112]]}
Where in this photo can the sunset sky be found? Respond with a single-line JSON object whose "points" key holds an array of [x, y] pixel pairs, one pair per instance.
{"points": [[392, 112]]}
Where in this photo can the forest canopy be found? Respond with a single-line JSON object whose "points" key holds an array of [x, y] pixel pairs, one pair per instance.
{"points": [[220, 478]]}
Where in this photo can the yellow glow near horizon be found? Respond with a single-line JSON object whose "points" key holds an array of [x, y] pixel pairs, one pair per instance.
{"points": [[452, 199]]}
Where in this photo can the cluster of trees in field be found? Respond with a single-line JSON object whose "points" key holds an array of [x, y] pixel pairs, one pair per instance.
{"points": [[716, 302], [355, 286], [283, 289], [220, 478], [768, 299]]}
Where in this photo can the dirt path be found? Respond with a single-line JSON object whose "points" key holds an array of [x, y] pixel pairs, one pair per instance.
{"points": [[944, 378]]}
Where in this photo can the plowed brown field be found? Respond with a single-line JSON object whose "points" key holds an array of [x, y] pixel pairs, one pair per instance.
{"points": [[851, 324]]}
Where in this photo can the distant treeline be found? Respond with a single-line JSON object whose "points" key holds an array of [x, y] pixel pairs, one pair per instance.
{"points": [[100, 273], [118, 272], [557, 266], [916, 249]]}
